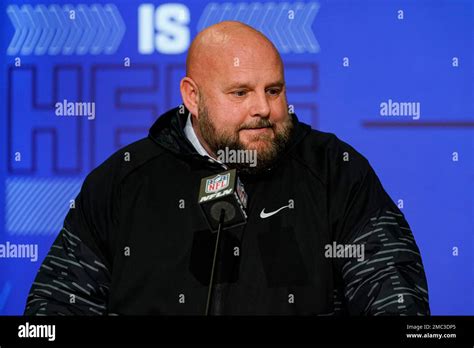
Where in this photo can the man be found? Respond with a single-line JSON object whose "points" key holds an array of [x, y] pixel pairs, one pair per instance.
{"points": [[322, 236]]}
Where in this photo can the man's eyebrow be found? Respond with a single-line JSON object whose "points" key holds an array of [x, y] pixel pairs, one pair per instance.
{"points": [[235, 85], [279, 83]]}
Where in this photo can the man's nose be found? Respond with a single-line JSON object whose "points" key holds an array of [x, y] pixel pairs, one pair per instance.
{"points": [[260, 106]]}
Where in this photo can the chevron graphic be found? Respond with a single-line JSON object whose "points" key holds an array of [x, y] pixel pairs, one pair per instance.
{"points": [[38, 206], [95, 29], [287, 25]]}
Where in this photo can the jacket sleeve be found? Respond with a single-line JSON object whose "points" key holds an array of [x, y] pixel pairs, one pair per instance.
{"points": [[389, 279], [74, 277]]}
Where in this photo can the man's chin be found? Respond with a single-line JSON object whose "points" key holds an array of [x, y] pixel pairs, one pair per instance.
{"points": [[262, 153], [257, 143]]}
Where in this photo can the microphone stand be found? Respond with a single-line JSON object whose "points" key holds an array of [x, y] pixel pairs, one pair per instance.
{"points": [[209, 294]]}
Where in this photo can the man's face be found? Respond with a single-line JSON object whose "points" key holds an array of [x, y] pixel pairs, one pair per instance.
{"points": [[246, 109]]}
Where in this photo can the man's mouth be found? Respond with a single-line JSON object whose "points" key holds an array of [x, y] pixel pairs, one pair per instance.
{"points": [[257, 130]]}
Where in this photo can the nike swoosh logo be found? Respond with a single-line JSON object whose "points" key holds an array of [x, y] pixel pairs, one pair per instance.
{"points": [[264, 215]]}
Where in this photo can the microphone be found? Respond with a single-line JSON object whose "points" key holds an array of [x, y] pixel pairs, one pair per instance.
{"points": [[223, 201], [223, 191]]}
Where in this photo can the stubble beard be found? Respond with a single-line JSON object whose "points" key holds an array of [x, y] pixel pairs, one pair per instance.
{"points": [[267, 149]]}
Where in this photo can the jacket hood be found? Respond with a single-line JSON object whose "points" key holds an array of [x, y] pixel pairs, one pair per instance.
{"points": [[168, 132]]}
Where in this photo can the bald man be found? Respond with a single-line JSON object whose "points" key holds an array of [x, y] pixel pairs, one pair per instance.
{"points": [[322, 237]]}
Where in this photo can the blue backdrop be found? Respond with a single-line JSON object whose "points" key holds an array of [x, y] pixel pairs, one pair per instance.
{"points": [[349, 66]]}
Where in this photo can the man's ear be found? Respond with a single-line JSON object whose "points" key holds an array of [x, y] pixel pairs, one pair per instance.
{"points": [[190, 94]]}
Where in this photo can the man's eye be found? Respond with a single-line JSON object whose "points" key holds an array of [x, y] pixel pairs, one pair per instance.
{"points": [[239, 93], [273, 91]]}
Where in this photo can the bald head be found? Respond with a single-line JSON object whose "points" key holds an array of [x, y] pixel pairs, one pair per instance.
{"points": [[229, 44]]}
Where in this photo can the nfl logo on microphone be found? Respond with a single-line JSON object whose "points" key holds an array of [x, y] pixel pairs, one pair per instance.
{"points": [[219, 182]]}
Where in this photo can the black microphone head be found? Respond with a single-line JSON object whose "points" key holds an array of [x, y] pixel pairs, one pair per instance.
{"points": [[223, 191], [229, 211]]}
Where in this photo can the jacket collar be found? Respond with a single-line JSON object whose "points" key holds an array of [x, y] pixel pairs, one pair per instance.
{"points": [[192, 137]]}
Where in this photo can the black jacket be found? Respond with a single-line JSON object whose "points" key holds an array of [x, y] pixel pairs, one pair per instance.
{"points": [[136, 241]]}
